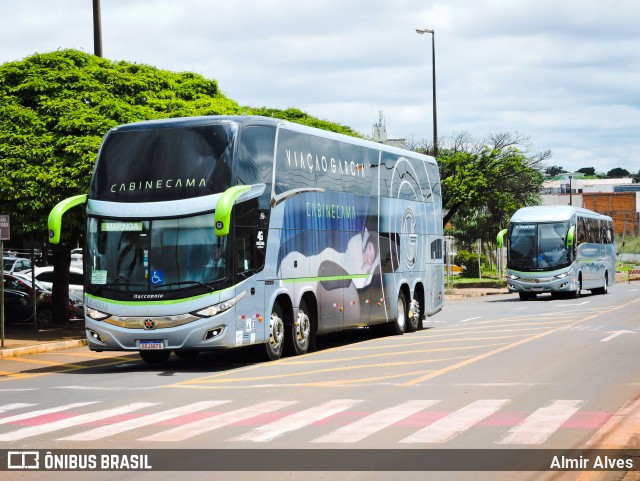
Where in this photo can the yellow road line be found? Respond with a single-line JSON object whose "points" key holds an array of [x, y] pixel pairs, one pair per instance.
{"points": [[316, 371], [467, 362]]}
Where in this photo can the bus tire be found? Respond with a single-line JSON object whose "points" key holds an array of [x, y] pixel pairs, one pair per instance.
{"points": [[604, 289], [397, 327], [527, 296], [274, 346], [300, 332], [575, 294], [155, 357], [414, 318], [186, 354]]}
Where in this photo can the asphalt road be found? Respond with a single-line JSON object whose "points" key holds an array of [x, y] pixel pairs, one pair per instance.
{"points": [[490, 373]]}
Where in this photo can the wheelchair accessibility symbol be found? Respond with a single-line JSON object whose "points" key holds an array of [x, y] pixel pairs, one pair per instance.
{"points": [[157, 277]]}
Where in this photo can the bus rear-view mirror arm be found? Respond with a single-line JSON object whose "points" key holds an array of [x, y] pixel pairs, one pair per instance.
{"points": [[500, 238], [55, 216], [237, 193]]}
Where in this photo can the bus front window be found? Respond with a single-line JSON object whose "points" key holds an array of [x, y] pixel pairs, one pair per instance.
{"points": [[143, 256], [538, 247]]}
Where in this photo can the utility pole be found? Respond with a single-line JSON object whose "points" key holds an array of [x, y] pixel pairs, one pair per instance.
{"points": [[97, 29]]}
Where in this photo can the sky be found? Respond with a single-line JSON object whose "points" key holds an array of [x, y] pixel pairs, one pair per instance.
{"points": [[565, 74]]}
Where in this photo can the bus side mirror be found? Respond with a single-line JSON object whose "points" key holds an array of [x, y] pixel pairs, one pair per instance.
{"points": [[571, 237], [55, 217], [224, 207], [500, 238]]}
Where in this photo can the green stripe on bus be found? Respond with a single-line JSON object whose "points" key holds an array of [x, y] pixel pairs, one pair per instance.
{"points": [[327, 278], [155, 302]]}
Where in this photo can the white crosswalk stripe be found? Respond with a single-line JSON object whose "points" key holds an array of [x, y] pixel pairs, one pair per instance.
{"points": [[271, 419], [296, 421], [72, 421], [128, 425], [10, 407], [541, 424], [42, 412], [452, 425], [374, 423], [190, 430]]}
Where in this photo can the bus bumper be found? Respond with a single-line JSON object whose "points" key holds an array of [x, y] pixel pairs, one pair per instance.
{"points": [[215, 333], [540, 285]]}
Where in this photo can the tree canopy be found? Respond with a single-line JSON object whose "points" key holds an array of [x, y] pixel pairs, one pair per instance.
{"points": [[497, 174], [56, 107]]}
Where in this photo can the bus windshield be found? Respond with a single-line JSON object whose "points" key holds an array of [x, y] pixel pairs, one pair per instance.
{"points": [[538, 247], [155, 255]]}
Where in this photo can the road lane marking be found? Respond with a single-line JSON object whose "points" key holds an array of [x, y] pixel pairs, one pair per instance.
{"points": [[470, 319], [481, 357], [541, 424], [197, 428], [374, 422], [293, 422], [43, 412], [452, 425], [10, 407], [615, 334], [307, 373], [70, 422], [130, 424]]}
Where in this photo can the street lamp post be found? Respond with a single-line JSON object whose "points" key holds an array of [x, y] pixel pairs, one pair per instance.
{"points": [[422, 31], [97, 29]]}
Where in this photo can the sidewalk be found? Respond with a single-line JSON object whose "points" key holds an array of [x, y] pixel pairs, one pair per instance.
{"points": [[22, 339]]}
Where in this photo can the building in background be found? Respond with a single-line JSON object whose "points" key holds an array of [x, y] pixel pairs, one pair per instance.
{"points": [[617, 198]]}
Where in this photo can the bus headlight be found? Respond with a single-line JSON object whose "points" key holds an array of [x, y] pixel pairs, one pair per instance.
{"points": [[95, 314], [220, 307], [512, 277], [562, 276]]}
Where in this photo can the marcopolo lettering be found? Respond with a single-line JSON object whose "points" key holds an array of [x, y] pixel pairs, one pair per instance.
{"points": [[158, 184]]}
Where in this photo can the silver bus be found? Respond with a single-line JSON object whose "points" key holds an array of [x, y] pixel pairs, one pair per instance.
{"points": [[559, 250], [218, 232]]}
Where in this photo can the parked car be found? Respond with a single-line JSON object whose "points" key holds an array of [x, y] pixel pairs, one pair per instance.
{"points": [[16, 283], [45, 276], [15, 264]]}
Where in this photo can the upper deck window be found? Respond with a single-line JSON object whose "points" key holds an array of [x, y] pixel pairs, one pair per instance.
{"points": [[164, 164]]}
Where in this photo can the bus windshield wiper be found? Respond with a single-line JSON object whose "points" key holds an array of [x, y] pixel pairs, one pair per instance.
{"points": [[197, 283]]}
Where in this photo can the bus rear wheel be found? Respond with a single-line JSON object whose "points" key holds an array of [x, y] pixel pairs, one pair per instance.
{"points": [[300, 333], [414, 317], [397, 327]]}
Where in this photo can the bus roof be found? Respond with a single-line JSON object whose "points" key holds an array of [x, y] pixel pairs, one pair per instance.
{"points": [[259, 120], [553, 213]]}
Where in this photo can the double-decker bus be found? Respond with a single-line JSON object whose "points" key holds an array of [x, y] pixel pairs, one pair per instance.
{"points": [[559, 249], [217, 232]]}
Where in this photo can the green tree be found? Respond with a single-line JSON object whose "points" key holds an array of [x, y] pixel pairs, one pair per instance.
{"points": [[54, 110], [589, 171], [554, 170], [618, 173], [499, 174]]}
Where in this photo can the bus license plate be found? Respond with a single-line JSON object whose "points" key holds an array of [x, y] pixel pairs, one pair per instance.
{"points": [[150, 345]]}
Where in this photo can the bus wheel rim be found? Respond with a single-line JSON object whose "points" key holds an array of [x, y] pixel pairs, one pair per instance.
{"points": [[276, 331]]}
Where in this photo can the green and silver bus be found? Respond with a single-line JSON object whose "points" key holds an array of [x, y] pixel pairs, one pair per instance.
{"points": [[559, 250], [218, 232]]}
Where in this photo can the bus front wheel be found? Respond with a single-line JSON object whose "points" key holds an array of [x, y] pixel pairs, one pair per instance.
{"points": [[155, 357], [275, 343]]}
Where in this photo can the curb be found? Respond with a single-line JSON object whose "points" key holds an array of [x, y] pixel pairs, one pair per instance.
{"points": [[38, 348]]}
